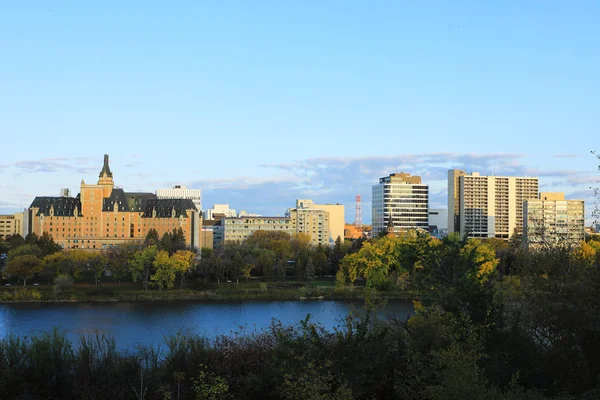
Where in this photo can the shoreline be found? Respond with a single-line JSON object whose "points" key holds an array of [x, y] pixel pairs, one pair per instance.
{"points": [[218, 295]]}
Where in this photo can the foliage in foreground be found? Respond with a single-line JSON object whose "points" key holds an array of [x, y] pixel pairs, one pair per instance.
{"points": [[535, 336]]}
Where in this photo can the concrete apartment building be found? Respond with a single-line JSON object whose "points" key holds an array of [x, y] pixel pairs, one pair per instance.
{"points": [[312, 222], [239, 229], [401, 199], [219, 211], [11, 224], [487, 206], [550, 219], [182, 192], [102, 216], [324, 222]]}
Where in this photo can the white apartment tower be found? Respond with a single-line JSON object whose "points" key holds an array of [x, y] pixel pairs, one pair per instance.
{"points": [[551, 220], [181, 192], [403, 199], [487, 206]]}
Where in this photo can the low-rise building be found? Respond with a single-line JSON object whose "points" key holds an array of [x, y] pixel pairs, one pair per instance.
{"points": [[551, 220], [11, 224], [239, 229]]}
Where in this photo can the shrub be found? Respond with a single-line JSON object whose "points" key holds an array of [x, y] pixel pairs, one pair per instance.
{"points": [[63, 283], [263, 287]]}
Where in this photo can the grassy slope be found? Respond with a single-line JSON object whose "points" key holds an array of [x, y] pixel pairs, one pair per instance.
{"points": [[211, 292]]}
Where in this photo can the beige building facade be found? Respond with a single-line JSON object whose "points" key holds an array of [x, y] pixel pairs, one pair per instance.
{"points": [[102, 216], [11, 224], [487, 206], [240, 229], [551, 220], [309, 210]]}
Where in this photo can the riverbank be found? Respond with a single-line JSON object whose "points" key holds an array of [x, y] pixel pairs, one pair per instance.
{"points": [[127, 292]]}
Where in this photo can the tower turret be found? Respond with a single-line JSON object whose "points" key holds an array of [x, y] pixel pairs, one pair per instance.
{"points": [[106, 177]]}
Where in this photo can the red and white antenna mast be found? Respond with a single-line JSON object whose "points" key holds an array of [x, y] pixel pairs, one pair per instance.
{"points": [[358, 214]]}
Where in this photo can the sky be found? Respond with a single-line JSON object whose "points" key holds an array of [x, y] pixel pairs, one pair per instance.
{"points": [[259, 103]]}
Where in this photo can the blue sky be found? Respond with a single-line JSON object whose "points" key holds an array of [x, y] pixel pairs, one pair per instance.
{"points": [[259, 103]]}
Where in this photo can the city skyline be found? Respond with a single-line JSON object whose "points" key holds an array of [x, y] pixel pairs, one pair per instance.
{"points": [[297, 100], [274, 197]]}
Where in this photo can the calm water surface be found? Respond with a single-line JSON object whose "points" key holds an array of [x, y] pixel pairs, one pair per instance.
{"points": [[149, 323]]}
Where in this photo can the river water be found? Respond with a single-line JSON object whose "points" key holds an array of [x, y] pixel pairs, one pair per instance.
{"points": [[148, 323]]}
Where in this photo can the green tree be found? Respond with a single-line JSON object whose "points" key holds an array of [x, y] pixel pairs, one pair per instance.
{"points": [[280, 272], [152, 238], [209, 386], [336, 255], [219, 269], [141, 264], [178, 239], [164, 270], [310, 269], [25, 249], [97, 264], [15, 241], [235, 266], [47, 244], [23, 267], [165, 243], [266, 261]]}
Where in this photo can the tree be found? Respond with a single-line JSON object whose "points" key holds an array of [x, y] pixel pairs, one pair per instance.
{"points": [[25, 249], [336, 254], [152, 238], [164, 274], [219, 269], [23, 267], [141, 264], [266, 261], [97, 263], [47, 244], [178, 239], [320, 261], [247, 270], [15, 241], [165, 243], [74, 263], [310, 269], [280, 272], [235, 266], [183, 260], [209, 386], [118, 260]]}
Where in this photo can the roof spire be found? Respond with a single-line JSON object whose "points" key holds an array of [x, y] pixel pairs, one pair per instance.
{"points": [[105, 168]]}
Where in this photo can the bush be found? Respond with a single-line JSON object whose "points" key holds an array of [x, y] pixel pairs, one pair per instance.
{"points": [[263, 287], [63, 283]]}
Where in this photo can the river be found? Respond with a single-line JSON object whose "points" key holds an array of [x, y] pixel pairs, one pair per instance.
{"points": [[148, 323]]}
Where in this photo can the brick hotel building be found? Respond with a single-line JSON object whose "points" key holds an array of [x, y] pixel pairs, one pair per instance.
{"points": [[102, 216]]}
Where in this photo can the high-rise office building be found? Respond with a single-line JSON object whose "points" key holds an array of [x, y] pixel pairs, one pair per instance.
{"points": [[182, 192], [487, 206], [404, 200], [551, 220]]}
